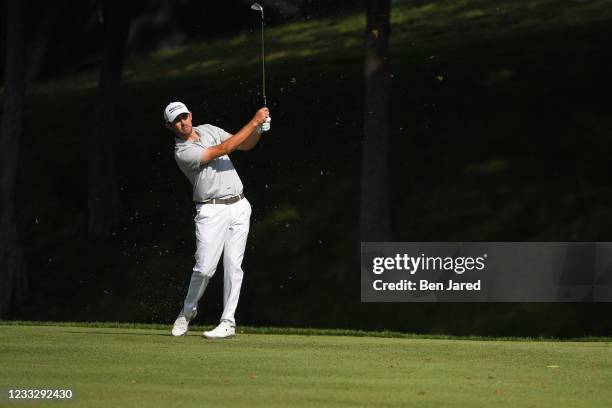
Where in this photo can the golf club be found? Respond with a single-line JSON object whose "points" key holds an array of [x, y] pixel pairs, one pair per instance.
{"points": [[258, 7]]}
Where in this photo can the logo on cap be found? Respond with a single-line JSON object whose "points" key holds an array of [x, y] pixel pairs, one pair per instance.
{"points": [[173, 110]]}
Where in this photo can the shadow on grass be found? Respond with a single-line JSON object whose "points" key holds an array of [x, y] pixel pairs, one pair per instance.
{"points": [[118, 333]]}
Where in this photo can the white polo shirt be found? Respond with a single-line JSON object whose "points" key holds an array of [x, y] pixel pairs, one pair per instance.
{"points": [[216, 179]]}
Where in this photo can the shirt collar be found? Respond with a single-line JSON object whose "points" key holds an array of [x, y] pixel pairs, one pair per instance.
{"points": [[178, 140]]}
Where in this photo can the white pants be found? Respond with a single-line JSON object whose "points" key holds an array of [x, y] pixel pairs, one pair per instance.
{"points": [[219, 228]]}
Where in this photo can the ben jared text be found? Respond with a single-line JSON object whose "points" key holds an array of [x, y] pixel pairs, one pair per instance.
{"points": [[424, 285]]}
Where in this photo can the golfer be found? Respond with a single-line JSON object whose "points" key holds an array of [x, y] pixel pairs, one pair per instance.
{"points": [[222, 211]]}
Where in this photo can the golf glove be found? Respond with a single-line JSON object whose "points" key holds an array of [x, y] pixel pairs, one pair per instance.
{"points": [[266, 125]]}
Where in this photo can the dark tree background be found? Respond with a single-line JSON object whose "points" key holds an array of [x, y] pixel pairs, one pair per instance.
{"points": [[375, 211], [495, 127], [13, 280], [103, 201]]}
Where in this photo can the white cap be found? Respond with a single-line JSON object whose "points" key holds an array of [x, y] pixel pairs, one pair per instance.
{"points": [[173, 110]]}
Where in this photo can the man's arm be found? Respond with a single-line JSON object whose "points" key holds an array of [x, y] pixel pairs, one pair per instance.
{"points": [[250, 141], [236, 140]]}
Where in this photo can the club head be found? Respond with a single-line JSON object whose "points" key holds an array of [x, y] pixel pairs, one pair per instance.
{"points": [[257, 7]]}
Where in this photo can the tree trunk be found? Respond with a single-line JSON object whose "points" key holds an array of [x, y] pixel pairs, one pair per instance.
{"points": [[375, 214], [103, 199], [13, 280]]}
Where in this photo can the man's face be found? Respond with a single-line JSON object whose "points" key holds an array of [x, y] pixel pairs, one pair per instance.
{"points": [[181, 125]]}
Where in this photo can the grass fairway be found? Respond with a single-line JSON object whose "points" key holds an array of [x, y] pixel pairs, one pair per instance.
{"points": [[141, 367]]}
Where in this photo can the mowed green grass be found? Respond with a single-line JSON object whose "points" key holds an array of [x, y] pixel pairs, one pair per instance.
{"points": [[140, 367]]}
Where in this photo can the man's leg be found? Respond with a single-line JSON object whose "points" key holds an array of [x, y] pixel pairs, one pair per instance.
{"points": [[212, 226], [233, 254]]}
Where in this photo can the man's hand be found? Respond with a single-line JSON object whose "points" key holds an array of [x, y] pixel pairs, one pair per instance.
{"points": [[261, 116]]}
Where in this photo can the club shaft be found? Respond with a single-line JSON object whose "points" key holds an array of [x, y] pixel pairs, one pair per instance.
{"points": [[263, 60]]}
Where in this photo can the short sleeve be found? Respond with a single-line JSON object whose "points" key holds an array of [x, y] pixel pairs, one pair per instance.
{"points": [[189, 158], [220, 134]]}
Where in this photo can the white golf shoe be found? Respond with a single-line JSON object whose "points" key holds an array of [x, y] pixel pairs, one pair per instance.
{"points": [[181, 325], [222, 331]]}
